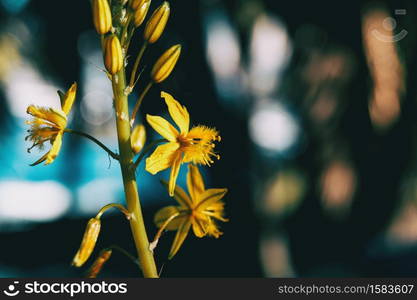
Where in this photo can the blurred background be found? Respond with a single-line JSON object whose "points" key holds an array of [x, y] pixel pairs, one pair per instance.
{"points": [[316, 105]]}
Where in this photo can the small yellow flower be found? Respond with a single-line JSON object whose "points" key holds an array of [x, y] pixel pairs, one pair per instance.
{"points": [[199, 210], [195, 145], [49, 124]]}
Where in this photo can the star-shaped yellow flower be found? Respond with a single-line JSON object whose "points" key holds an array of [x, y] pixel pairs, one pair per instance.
{"points": [[49, 124], [195, 145], [198, 210]]}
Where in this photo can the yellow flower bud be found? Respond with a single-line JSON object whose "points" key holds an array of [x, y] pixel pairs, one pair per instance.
{"points": [[140, 13], [138, 138], [88, 243], [101, 16], [98, 264], [156, 24], [165, 64], [113, 57], [134, 4]]}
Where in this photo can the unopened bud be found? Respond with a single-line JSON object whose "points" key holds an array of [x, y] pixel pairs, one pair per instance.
{"points": [[140, 12], [101, 16], [88, 243], [138, 138], [134, 4], [156, 24], [98, 264], [113, 56], [165, 64]]}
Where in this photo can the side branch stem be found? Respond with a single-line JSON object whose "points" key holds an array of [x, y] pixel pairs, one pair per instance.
{"points": [[83, 134], [136, 65], [139, 102]]}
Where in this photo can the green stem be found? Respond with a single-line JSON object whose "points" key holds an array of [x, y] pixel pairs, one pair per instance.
{"points": [[154, 243], [124, 31], [146, 150], [124, 252], [136, 65], [83, 134], [116, 205], [139, 102], [137, 225], [129, 36]]}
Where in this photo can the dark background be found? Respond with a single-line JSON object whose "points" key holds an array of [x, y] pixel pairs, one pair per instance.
{"points": [[318, 243]]}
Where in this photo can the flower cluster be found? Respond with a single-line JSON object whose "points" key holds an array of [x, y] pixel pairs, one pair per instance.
{"points": [[200, 208]]}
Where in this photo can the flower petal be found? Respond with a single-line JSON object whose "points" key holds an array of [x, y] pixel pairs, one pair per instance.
{"points": [[180, 195], [180, 237], [68, 99], [53, 116], [178, 112], [163, 127], [162, 158], [175, 169], [164, 214], [195, 183], [199, 226], [209, 197], [56, 146], [40, 160]]}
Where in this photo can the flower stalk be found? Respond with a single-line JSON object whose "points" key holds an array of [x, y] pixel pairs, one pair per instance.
{"points": [[137, 225], [115, 205], [201, 208]]}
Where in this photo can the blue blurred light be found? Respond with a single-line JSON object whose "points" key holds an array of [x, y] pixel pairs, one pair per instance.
{"points": [[14, 6]]}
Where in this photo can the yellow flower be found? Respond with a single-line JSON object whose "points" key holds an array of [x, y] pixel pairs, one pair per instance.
{"points": [[199, 210], [49, 124], [195, 145]]}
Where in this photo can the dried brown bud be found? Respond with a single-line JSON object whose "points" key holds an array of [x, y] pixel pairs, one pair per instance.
{"points": [[98, 264]]}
